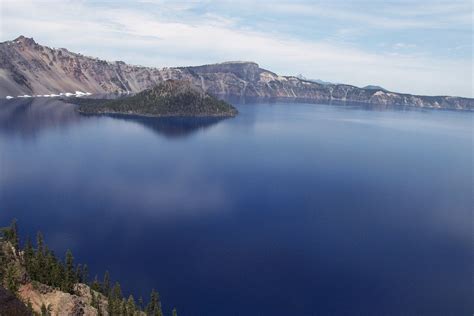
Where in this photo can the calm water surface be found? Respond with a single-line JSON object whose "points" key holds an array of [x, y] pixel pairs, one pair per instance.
{"points": [[287, 209]]}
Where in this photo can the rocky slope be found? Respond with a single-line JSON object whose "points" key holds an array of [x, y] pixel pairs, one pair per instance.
{"points": [[169, 98], [33, 281], [11, 305], [32, 69], [37, 295]]}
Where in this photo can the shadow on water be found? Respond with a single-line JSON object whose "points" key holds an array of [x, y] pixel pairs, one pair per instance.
{"points": [[29, 117], [172, 127]]}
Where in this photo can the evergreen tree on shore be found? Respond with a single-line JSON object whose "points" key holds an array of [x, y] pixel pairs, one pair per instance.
{"points": [[10, 234], [44, 267], [106, 283]]}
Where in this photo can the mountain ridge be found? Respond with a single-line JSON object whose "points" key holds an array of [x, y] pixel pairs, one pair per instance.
{"points": [[28, 68]]}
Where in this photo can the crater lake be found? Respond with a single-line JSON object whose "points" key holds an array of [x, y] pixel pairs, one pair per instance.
{"points": [[286, 209]]}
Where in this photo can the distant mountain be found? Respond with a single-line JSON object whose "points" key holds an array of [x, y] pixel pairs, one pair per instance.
{"points": [[371, 87], [169, 98], [27, 68], [300, 76]]}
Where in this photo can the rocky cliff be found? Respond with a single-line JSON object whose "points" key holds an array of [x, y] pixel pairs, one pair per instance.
{"points": [[32, 69]]}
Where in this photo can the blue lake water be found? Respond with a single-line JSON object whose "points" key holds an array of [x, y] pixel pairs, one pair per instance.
{"points": [[287, 209]]}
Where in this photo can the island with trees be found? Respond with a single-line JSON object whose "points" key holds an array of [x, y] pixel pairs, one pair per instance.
{"points": [[171, 98]]}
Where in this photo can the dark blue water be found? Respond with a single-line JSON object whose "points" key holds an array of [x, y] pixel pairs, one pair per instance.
{"points": [[287, 209]]}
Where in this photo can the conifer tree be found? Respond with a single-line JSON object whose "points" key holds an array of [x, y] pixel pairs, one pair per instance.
{"points": [[37, 271], [85, 274], [131, 308], [78, 273], [93, 298], [11, 277], [43, 266], [39, 243], [11, 234], [115, 300], [154, 306], [69, 279], [95, 285], [123, 307], [140, 303], [29, 254], [106, 283], [117, 291]]}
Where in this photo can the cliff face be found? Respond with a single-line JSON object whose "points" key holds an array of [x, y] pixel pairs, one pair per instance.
{"points": [[29, 68]]}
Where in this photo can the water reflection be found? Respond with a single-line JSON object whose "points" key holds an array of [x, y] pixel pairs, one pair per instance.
{"points": [[339, 103], [29, 117], [172, 127]]}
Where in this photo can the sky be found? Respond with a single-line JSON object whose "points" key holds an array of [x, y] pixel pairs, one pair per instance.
{"points": [[420, 47]]}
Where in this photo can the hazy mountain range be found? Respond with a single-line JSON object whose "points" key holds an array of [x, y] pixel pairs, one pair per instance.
{"points": [[27, 68]]}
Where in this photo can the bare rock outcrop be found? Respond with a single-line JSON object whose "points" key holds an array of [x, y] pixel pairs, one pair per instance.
{"points": [[58, 302], [11, 305]]}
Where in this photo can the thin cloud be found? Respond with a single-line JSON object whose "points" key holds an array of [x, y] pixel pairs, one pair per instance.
{"points": [[145, 37]]}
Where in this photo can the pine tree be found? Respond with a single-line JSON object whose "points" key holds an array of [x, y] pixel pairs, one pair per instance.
{"points": [[47, 269], [95, 285], [44, 267], [140, 303], [93, 298], [57, 272], [131, 308], [11, 276], [117, 292], [159, 311], [78, 273], [154, 306], [85, 274], [29, 254], [70, 273], [11, 234], [37, 271], [123, 307], [106, 283], [39, 243], [115, 300]]}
